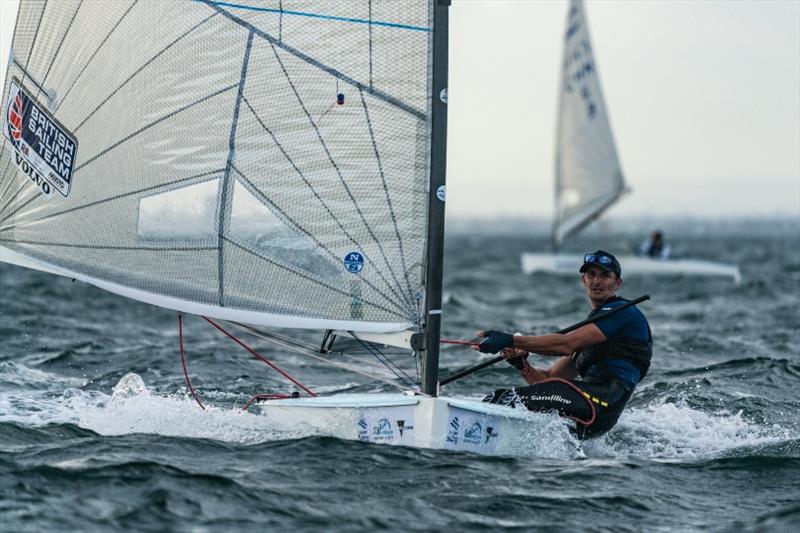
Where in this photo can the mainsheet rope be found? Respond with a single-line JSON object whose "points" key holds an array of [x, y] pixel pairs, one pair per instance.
{"points": [[252, 352], [183, 364], [260, 357], [292, 345]]}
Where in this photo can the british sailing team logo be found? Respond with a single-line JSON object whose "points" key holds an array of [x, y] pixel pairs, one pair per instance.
{"points": [[15, 118], [43, 149]]}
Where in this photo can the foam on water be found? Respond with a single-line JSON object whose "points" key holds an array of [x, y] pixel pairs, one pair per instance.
{"points": [[133, 408], [677, 431], [659, 431], [17, 375]]}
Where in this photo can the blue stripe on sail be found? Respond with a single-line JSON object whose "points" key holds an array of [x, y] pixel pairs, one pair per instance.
{"points": [[316, 15]]}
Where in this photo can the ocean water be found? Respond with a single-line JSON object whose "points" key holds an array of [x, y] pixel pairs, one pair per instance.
{"points": [[709, 441]]}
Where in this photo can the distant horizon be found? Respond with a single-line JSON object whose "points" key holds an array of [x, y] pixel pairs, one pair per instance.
{"points": [[631, 227]]}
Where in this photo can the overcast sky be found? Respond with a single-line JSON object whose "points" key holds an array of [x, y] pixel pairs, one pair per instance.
{"points": [[704, 100]]}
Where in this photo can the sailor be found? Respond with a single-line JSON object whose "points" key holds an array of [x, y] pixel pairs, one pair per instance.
{"points": [[598, 365], [655, 246]]}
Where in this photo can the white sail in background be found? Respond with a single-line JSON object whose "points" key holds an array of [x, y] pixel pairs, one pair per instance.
{"points": [[261, 161], [588, 174]]}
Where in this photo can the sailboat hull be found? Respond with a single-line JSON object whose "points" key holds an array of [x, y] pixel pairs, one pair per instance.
{"points": [[631, 265], [406, 420]]}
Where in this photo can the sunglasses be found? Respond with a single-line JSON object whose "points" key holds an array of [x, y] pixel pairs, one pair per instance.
{"points": [[594, 258]]}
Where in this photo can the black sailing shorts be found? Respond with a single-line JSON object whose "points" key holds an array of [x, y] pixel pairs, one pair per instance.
{"points": [[595, 406]]}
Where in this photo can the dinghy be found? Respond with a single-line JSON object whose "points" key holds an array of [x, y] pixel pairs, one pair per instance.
{"points": [[588, 174], [266, 164]]}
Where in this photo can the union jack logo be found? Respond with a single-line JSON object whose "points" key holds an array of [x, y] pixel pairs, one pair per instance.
{"points": [[15, 118]]}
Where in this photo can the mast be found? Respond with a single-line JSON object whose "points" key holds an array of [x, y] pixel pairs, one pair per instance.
{"points": [[435, 248]]}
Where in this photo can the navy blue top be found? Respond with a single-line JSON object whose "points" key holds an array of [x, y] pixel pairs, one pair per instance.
{"points": [[630, 323]]}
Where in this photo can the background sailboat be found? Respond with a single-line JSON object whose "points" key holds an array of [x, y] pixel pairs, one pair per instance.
{"points": [[588, 174], [250, 163]]}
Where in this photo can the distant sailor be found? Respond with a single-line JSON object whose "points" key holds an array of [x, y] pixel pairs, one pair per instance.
{"points": [[655, 246], [599, 364]]}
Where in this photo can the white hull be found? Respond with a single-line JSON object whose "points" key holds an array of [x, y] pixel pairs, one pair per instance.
{"points": [[398, 419], [631, 265]]}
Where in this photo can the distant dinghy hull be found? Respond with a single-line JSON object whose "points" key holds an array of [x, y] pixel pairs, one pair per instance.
{"points": [[631, 265]]}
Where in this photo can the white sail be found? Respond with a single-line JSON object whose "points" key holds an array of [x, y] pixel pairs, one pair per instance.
{"points": [[265, 162], [588, 176]]}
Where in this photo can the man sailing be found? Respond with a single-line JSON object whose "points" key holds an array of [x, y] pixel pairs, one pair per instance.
{"points": [[599, 363]]}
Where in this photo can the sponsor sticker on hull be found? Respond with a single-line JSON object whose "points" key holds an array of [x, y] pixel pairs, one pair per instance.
{"points": [[389, 426], [468, 431], [43, 149]]}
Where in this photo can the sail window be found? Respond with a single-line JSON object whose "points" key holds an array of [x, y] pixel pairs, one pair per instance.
{"points": [[185, 214], [255, 225]]}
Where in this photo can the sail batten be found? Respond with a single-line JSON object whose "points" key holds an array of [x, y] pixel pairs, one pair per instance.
{"points": [[267, 167], [588, 175]]}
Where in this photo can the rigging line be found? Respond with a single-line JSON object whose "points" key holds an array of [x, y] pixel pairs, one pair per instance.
{"points": [[225, 194], [140, 69], [27, 74], [260, 357], [311, 236], [60, 44], [422, 115], [311, 352], [126, 248], [386, 191], [154, 123], [308, 277], [383, 358], [339, 173], [119, 196], [183, 364], [321, 201], [89, 61]]}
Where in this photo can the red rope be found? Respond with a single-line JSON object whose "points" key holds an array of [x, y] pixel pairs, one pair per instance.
{"points": [[183, 364], [465, 343], [260, 357], [265, 397]]}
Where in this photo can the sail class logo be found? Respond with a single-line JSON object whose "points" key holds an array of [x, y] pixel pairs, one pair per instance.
{"points": [[44, 150], [354, 262]]}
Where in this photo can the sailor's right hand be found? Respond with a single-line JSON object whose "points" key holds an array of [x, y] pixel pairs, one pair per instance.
{"points": [[495, 341]]}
